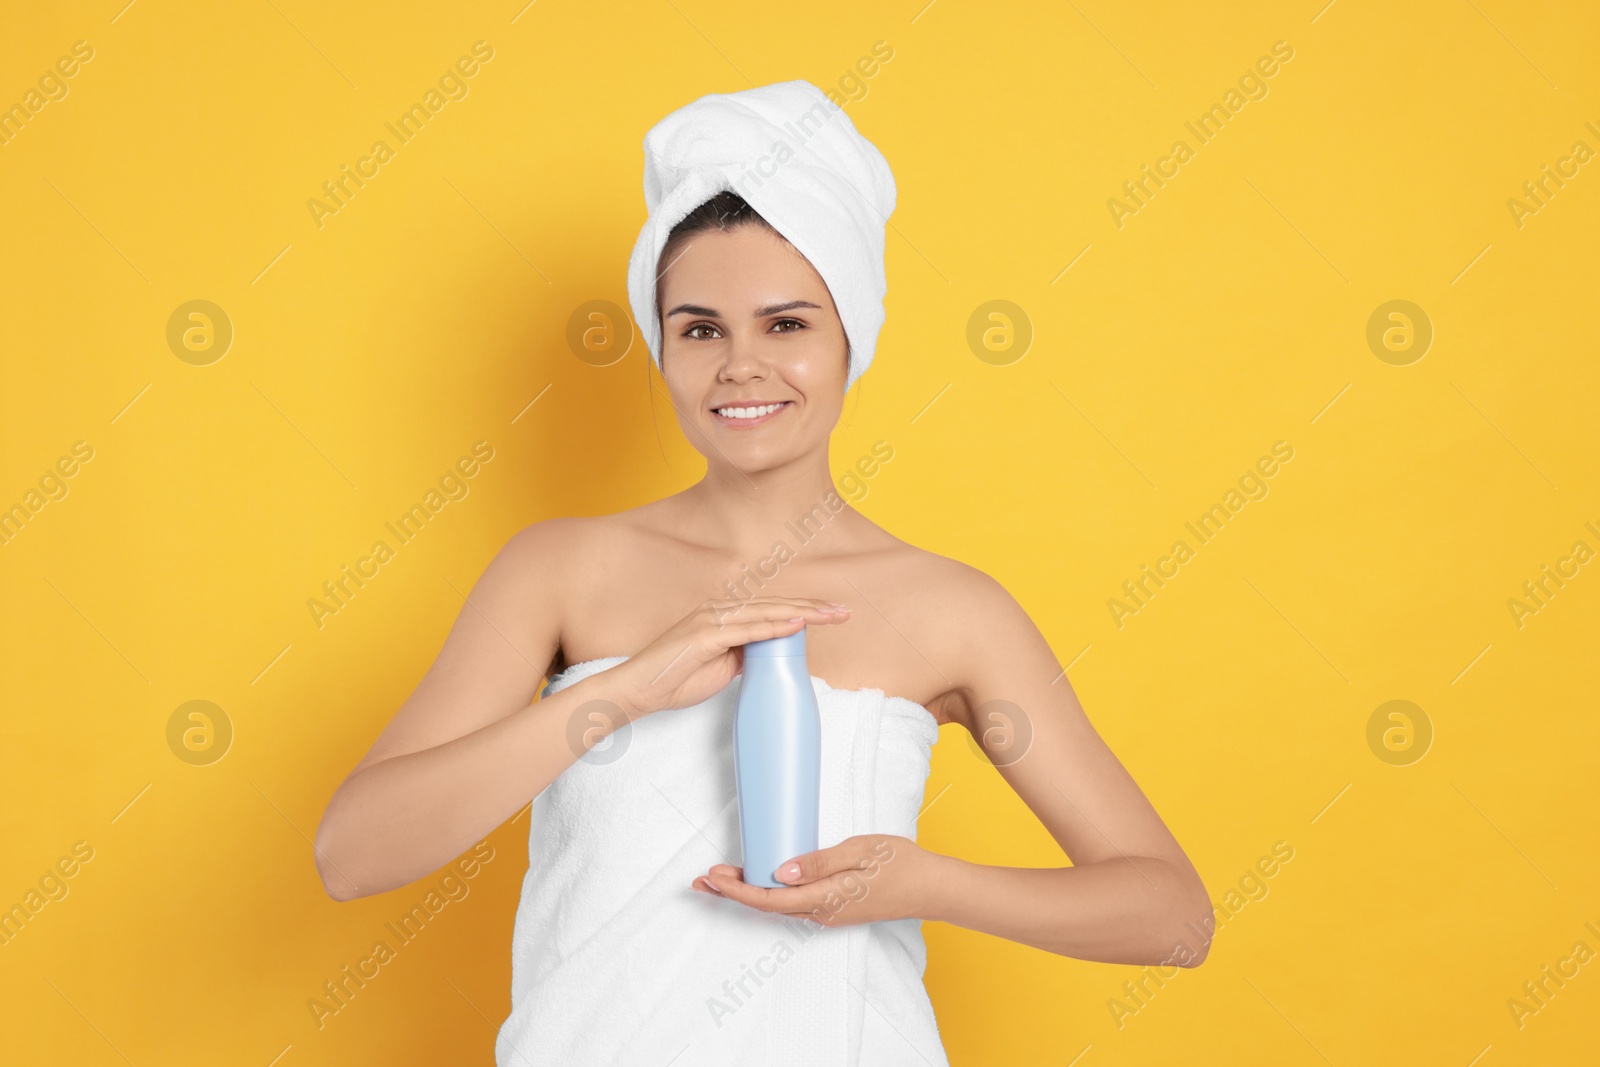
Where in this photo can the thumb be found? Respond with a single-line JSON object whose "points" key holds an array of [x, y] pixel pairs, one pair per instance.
{"points": [[813, 866]]}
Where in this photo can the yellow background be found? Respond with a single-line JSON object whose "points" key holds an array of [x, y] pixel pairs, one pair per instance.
{"points": [[1230, 312]]}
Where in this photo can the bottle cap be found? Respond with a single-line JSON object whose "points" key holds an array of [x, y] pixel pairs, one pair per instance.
{"points": [[778, 647]]}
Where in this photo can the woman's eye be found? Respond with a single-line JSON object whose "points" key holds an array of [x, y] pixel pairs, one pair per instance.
{"points": [[693, 332]]}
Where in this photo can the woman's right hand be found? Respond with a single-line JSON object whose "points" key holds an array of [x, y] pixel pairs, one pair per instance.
{"points": [[702, 652]]}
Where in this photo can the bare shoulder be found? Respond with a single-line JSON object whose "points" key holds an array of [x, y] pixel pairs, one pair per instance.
{"points": [[566, 542], [526, 576], [550, 564], [542, 547], [942, 585], [969, 623], [566, 555]]}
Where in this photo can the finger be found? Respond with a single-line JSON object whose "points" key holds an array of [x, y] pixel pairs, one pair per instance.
{"points": [[743, 633], [781, 610], [826, 606], [798, 899], [737, 634], [776, 608], [759, 898], [849, 854], [813, 601]]}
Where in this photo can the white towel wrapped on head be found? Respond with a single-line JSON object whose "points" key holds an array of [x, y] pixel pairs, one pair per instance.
{"points": [[798, 160]]}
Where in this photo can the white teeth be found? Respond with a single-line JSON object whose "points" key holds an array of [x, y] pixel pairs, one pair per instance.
{"points": [[748, 413]]}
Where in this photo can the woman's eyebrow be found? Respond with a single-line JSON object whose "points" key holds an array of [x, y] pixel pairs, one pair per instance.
{"points": [[759, 313]]}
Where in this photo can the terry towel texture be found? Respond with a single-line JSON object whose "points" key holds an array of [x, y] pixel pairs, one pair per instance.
{"points": [[615, 960], [796, 157]]}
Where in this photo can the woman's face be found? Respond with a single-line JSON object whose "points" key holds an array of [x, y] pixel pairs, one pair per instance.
{"points": [[753, 352]]}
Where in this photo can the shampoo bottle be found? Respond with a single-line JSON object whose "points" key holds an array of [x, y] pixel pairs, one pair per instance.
{"points": [[777, 745]]}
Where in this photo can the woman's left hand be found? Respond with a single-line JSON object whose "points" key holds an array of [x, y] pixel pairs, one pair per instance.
{"points": [[868, 878]]}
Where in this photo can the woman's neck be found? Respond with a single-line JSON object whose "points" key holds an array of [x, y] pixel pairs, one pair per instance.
{"points": [[745, 514]]}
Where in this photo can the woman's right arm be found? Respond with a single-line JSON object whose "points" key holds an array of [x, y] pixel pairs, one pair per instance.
{"points": [[468, 748]]}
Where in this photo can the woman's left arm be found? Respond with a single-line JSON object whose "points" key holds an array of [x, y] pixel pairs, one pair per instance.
{"points": [[1131, 895]]}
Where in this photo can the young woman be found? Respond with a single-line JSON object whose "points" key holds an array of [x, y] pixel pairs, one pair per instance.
{"points": [[638, 938]]}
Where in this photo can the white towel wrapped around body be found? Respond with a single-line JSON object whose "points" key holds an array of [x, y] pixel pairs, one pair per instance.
{"points": [[616, 960], [796, 157]]}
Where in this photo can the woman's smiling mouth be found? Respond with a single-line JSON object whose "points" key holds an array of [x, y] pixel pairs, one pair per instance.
{"points": [[740, 416]]}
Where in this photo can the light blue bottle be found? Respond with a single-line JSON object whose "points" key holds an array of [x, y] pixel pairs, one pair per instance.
{"points": [[777, 749]]}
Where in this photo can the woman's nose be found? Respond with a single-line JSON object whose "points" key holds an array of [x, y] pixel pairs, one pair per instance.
{"points": [[743, 360]]}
